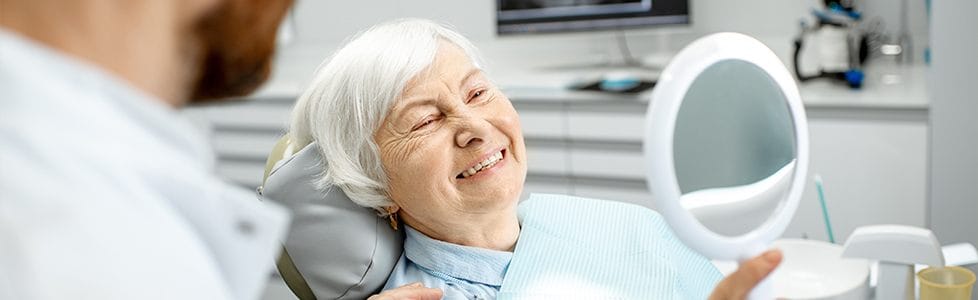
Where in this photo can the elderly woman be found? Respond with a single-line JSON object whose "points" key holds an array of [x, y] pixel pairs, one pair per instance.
{"points": [[410, 125]]}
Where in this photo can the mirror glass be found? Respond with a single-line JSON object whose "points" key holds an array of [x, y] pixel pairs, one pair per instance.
{"points": [[734, 147]]}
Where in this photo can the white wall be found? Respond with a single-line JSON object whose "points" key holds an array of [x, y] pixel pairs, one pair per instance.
{"points": [[954, 127], [322, 25]]}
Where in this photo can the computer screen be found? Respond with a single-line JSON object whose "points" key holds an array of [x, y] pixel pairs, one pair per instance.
{"points": [[531, 16]]}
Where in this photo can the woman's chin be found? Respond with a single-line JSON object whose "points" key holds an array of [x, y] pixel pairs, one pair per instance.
{"points": [[495, 201]]}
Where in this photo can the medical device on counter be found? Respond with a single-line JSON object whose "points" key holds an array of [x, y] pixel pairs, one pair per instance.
{"points": [[842, 46]]}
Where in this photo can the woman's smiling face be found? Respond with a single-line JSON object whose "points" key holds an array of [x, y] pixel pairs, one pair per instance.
{"points": [[452, 146]]}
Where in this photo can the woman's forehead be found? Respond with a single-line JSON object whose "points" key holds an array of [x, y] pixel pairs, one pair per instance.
{"points": [[451, 66], [450, 57]]}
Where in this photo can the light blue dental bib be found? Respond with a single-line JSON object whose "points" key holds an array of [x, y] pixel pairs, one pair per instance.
{"points": [[576, 248]]}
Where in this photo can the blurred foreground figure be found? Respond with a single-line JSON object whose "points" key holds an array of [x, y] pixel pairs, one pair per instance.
{"points": [[106, 192]]}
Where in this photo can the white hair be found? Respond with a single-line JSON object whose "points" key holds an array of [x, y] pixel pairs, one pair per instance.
{"points": [[351, 94]]}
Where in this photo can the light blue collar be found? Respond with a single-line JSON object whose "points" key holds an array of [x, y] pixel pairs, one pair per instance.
{"points": [[472, 264]]}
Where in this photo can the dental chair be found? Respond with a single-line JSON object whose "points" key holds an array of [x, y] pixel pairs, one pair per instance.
{"points": [[335, 248]]}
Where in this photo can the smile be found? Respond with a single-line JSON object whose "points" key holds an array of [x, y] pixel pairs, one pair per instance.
{"points": [[485, 164]]}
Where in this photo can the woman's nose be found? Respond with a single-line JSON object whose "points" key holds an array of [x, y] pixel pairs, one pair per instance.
{"points": [[473, 130]]}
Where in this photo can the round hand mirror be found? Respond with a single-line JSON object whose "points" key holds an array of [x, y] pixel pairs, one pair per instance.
{"points": [[726, 147]]}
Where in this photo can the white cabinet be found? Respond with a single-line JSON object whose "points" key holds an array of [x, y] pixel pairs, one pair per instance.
{"points": [[873, 172]]}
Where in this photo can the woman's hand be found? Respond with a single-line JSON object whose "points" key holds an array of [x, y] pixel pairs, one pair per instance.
{"points": [[748, 275], [414, 291]]}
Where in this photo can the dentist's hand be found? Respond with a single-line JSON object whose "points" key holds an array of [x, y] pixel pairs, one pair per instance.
{"points": [[414, 291], [748, 275]]}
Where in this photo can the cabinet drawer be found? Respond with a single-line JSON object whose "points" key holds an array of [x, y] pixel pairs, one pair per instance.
{"points": [[547, 160], [244, 145], [608, 163], [606, 126], [248, 174], [251, 115], [542, 124]]}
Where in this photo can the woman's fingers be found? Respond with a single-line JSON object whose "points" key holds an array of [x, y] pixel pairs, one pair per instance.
{"points": [[413, 291], [748, 275]]}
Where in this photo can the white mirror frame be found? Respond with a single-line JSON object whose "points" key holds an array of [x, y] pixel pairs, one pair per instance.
{"points": [[668, 96]]}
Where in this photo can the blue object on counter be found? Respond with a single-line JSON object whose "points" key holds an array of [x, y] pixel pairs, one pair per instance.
{"points": [[855, 78], [619, 84]]}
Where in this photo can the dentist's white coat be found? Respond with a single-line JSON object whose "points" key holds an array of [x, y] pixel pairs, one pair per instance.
{"points": [[105, 193]]}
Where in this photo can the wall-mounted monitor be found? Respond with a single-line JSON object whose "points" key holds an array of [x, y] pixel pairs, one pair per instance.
{"points": [[538, 16]]}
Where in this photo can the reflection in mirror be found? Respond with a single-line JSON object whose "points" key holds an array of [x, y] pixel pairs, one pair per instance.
{"points": [[734, 147]]}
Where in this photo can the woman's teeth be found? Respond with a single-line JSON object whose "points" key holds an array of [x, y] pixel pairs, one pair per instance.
{"points": [[489, 162]]}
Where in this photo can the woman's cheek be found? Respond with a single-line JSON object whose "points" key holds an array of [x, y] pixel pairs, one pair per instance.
{"points": [[505, 111]]}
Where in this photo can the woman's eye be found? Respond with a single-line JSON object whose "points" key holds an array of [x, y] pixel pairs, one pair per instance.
{"points": [[424, 123], [476, 95]]}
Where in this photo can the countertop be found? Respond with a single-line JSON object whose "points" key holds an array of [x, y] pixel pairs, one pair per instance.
{"points": [[888, 85]]}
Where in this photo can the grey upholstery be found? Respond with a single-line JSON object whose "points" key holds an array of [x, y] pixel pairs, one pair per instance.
{"points": [[343, 251]]}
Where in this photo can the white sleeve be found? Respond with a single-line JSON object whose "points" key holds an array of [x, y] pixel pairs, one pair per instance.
{"points": [[8, 264], [81, 250]]}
